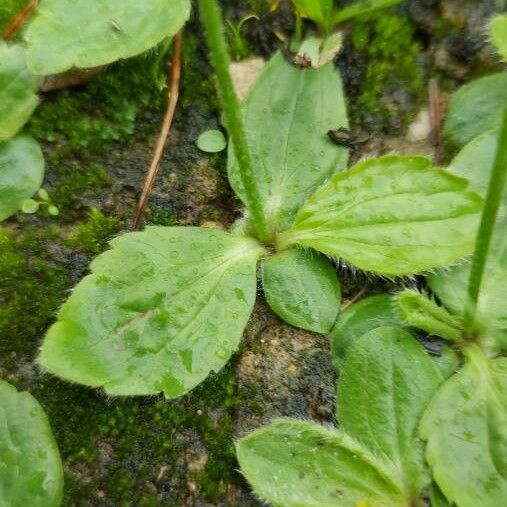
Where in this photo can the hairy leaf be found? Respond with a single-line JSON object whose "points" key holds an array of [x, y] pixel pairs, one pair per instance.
{"points": [[159, 312], [30, 468], [466, 429], [385, 385], [18, 90], [475, 108], [301, 286], [287, 134], [369, 313], [475, 162], [76, 33], [21, 173], [294, 463], [499, 34], [394, 215], [425, 314]]}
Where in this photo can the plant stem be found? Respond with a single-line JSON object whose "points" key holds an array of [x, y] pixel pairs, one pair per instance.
{"points": [[361, 7], [482, 243], [211, 18], [174, 90], [18, 21]]}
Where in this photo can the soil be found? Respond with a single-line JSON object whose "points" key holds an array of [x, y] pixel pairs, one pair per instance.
{"points": [[98, 139]]}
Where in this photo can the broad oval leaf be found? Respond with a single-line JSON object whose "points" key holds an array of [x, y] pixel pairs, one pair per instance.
{"points": [[475, 108], [369, 313], [30, 468], [21, 173], [423, 313], [499, 34], [302, 288], [395, 215], [301, 464], [18, 90], [466, 425], [287, 134], [88, 33], [385, 384], [158, 312]]}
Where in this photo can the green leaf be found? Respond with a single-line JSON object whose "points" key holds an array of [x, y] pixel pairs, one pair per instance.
{"points": [[30, 468], [159, 312], [369, 313], [21, 173], [287, 134], [294, 463], [211, 141], [72, 33], [475, 108], [18, 90], [319, 11], [320, 51], [30, 206], [394, 215], [385, 384], [361, 7], [302, 288], [499, 34], [466, 429], [425, 314]]}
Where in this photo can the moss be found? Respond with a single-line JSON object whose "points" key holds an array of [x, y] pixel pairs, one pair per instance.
{"points": [[32, 286], [92, 235], [392, 81]]}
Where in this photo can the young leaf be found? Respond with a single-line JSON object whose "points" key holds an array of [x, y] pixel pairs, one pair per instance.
{"points": [[65, 34], [30, 468], [466, 429], [159, 312], [297, 463], [499, 34], [475, 108], [18, 90], [385, 385], [360, 7], [287, 134], [302, 288], [211, 141], [21, 173], [369, 313], [319, 11], [395, 215], [423, 313]]}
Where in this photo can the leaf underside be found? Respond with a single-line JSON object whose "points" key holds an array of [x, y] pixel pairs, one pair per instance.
{"points": [[385, 385], [30, 468], [466, 431], [21, 173], [18, 90], [159, 311], [294, 463], [302, 288], [395, 215], [72, 33], [287, 134]]}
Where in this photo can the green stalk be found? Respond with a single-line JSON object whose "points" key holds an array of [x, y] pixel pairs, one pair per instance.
{"points": [[211, 18], [482, 243], [361, 7]]}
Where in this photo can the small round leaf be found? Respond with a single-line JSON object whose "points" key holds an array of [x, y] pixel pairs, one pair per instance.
{"points": [[212, 141]]}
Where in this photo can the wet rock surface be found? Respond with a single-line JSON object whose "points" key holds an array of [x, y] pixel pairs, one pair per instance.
{"points": [[149, 451]]}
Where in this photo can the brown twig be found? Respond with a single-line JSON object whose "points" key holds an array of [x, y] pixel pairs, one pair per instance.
{"points": [[435, 119], [18, 21], [173, 94], [350, 302]]}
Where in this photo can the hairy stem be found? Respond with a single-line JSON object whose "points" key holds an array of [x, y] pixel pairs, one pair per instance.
{"points": [[174, 91], [487, 225], [212, 20]]}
